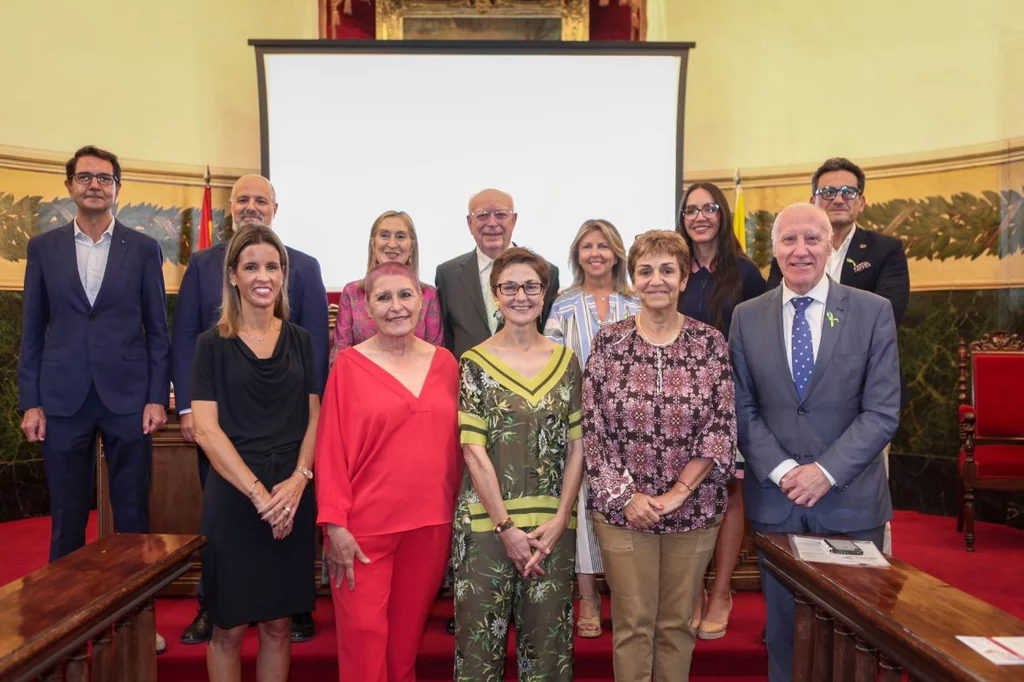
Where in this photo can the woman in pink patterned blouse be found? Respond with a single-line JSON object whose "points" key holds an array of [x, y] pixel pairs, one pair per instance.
{"points": [[659, 438], [392, 238]]}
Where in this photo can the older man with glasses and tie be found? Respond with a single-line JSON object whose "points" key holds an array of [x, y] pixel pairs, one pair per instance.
{"points": [[817, 399]]}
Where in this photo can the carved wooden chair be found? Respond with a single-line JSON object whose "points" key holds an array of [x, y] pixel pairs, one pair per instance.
{"points": [[991, 421]]}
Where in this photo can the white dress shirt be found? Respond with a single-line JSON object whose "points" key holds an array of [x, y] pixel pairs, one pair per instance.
{"points": [[92, 259], [815, 314], [838, 256], [484, 263]]}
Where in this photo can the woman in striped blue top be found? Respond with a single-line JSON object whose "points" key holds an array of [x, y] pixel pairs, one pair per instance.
{"points": [[598, 296]]}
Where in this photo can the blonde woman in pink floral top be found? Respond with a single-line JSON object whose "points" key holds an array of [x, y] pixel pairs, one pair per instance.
{"points": [[659, 439], [392, 238]]}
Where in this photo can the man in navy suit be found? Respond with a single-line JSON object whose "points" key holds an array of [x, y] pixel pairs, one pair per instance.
{"points": [[817, 398], [859, 258], [198, 308], [94, 354]]}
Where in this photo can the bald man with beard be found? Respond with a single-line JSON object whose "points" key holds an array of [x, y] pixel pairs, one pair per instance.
{"points": [[253, 200]]}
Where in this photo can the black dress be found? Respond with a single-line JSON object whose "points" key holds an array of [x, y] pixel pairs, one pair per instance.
{"points": [[263, 407]]}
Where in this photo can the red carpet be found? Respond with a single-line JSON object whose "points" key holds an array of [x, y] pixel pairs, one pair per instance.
{"points": [[993, 573]]}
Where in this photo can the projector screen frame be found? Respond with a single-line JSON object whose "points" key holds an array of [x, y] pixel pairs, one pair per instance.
{"points": [[471, 47]]}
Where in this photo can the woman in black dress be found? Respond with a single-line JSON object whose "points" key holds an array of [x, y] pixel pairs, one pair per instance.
{"points": [[721, 277], [256, 406]]}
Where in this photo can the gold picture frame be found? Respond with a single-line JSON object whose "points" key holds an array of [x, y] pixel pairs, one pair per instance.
{"points": [[483, 20]]}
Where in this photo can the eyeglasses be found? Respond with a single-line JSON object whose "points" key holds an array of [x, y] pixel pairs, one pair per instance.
{"points": [[483, 216], [105, 179], [709, 210], [829, 193], [512, 288]]}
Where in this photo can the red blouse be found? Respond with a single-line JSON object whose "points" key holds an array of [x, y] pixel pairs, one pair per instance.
{"points": [[387, 461]]}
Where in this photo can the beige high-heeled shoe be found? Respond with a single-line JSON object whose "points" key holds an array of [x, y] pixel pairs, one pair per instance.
{"points": [[589, 627], [709, 630]]}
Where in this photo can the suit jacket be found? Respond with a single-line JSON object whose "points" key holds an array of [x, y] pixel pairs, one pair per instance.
{"points": [[198, 308], [463, 311], [848, 414], [119, 344], [879, 265]]}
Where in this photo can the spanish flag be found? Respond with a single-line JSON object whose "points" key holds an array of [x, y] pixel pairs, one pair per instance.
{"points": [[206, 217], [739, 221]]}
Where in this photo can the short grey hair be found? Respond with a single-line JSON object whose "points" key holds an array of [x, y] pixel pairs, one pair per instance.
{"points": [[802, 207]]}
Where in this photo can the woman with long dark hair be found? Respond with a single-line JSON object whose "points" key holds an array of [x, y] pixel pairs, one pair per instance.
{"points": [[721, 277]]}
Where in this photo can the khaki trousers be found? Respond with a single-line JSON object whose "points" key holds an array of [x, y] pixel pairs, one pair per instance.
{"points": [[654, 581]]}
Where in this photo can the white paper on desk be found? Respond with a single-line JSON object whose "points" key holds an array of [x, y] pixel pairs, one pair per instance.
{"points": [[811, 549], [1014, 644], [991, 650]]}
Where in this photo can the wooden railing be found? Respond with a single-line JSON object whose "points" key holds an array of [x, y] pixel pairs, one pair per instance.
{"points": [[867, 624], [89, 616]]}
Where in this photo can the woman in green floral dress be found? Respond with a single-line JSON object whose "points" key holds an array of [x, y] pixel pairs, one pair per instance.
{"points": [[514, 545]]}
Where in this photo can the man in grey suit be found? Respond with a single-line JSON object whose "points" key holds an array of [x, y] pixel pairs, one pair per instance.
{"points": [[817, 399], [469, 312]]}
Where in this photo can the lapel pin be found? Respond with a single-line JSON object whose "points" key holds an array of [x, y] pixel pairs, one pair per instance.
{"points": [[832, 319]]}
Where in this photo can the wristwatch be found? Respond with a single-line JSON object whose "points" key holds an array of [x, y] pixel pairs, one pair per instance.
{"points": [[305, 472]]}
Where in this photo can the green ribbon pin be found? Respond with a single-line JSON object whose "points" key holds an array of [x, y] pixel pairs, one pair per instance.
{"points": [[832, 319]]}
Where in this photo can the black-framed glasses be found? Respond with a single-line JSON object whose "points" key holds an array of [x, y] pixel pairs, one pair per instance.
{"points": [[530, 288], [105, 179], [829, 193], [500, 215], [709, 210]]}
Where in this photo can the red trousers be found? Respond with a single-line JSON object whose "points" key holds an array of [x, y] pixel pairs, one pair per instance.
{"points": [[381, 621]]}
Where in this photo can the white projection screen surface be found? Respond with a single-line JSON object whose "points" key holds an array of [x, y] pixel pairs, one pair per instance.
{"points": [[571, 131]]}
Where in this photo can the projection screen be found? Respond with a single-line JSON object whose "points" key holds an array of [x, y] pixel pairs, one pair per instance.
{"points": [[571, 130]]}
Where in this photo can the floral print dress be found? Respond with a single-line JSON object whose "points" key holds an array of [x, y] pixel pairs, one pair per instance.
{"points": [[526, 425]]}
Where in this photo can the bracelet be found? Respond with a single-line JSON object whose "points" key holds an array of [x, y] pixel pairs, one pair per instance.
{"points": [[687, 486], [504, 525], [253, 487], [305, 472]]}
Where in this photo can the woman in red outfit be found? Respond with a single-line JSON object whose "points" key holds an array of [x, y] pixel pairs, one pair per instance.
{"points": [[387, 472]]}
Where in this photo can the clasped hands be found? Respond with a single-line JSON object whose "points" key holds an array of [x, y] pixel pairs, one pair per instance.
{"points": [[528, 550], [804, 485], [644, 511], [278, 506]]}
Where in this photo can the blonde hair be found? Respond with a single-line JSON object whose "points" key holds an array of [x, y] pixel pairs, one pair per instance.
{"points": [[664, 242], [609, 232], [231, 303], [414, 254]]}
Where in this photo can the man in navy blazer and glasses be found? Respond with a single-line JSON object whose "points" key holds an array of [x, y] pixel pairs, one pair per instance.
{"points": [[95, 356], [253, 199]]}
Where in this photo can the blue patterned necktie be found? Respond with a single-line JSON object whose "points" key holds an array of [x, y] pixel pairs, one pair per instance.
{"points": [[802, 346]]}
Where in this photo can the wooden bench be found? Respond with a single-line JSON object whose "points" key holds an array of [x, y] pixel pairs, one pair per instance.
{"points": [[89, 616], [879, 623]]}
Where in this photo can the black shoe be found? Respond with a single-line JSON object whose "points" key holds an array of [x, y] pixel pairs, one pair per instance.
{"points": [[200, 630], [303, 627], [451, 626]]}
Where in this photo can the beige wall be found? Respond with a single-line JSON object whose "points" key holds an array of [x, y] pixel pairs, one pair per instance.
{"points": [[771, 83], [154, 80], [783, 82]]}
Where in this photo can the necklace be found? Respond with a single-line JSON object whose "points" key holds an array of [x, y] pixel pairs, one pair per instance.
{"points": [[612, 313], [273, 327], [657, 346], [645, 337]]}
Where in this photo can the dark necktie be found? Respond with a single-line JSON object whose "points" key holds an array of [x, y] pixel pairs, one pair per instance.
{"points": [[802, 346]]}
